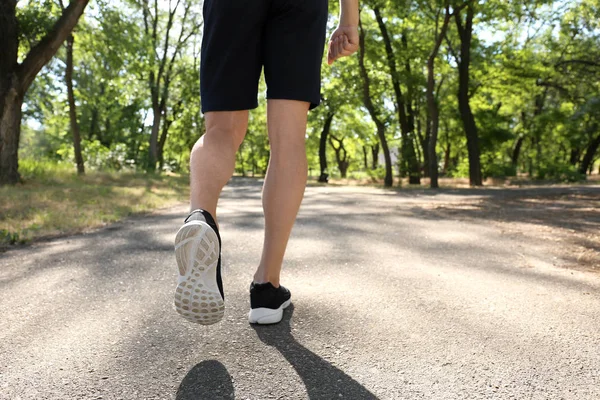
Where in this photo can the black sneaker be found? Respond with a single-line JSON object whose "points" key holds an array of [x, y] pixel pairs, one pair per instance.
{"points": [[199, 295], [267, 303]]}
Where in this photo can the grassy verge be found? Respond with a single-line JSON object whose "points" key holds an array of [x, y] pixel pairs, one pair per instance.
{"points": [[54, 201]]}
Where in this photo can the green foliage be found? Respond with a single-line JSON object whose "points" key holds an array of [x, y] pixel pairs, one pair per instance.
{"points": [[560, 173], [493, 170], [9, 238], [44, 170], [535, 83], [377, 174], [35, 20]]}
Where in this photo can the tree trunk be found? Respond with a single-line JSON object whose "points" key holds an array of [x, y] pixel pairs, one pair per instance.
{"points": [[575, 156], [388, 180], [341, 155], [324, 177], [15, 78], [344, 169], [167, 122], [517, 151], [94, 124], [365, 157], [412, 162], [423, 143], [588, 158], [466, 35], [10, 131], [403, 107], [447, 158], [153, 150], [540, 101], [107, 125], [434, 112], [11, 97], [73, 108], [95, 131], [375, 156], [161, 143]]}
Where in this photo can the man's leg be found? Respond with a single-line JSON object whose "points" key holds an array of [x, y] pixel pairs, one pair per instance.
{"points": [[284, 184], [212, 161], [199, 296]]}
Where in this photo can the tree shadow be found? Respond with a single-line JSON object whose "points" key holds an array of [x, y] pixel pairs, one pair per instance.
{"points": [[208, 380], [321, 379]]}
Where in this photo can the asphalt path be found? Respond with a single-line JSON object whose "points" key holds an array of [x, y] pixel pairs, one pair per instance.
{"points": [[390, 301]]}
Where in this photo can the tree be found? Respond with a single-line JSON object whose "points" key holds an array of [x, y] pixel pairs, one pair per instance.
{"points": [[162, 56], [465, 33], [16, 78], [434, 113], [341, 154], [324, 175], [72, 107], [375, 116], [403, 103]]}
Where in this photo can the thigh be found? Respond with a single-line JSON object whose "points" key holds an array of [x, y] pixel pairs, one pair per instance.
{"points": [[231, 59], [286, 120], [294, 46]]}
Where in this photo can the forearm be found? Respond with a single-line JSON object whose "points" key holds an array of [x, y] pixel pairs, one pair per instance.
{"points": [[349, 13]]}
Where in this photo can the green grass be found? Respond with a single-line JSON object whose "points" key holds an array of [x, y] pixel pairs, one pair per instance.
{"points": [[53, 200]]}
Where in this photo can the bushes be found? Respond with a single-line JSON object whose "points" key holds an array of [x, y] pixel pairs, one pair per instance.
{"points": [[496, 170], [44, 170], [377, 174], [560, 172], [96, 156]]}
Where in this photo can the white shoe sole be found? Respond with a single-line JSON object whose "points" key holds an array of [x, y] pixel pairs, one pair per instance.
{"points": [[197, 297], [264, 316]]}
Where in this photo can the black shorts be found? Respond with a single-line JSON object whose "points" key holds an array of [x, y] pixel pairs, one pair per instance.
{"points": [[287, 37]]}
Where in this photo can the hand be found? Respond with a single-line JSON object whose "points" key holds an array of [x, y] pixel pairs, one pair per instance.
{"points": [[343, 43]]}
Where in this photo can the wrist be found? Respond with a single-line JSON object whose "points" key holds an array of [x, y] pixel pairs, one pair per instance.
{"points": [[349, 14], [348, 22]]}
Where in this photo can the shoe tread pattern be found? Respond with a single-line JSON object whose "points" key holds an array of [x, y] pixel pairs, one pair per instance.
{"points": [[197, 296]]}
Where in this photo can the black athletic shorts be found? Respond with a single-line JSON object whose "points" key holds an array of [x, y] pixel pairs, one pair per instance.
{"points": [[287, 37]]}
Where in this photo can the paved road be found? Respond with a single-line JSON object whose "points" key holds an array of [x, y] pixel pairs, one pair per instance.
{"points": [[390, 302]]}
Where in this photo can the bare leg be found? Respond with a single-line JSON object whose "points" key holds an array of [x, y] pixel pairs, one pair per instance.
{"points": [[284, 184], [212, 161]]}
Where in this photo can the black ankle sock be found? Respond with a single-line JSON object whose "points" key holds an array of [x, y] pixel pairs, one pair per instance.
{"points": [[209, 218]]}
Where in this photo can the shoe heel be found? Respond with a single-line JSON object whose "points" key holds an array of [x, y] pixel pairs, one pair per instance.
{"points": [[265, 316]]}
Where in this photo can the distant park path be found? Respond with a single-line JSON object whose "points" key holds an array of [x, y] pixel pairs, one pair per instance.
{"points": [[459, 294]]}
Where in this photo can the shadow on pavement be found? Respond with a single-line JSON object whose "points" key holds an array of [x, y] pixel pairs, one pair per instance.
{"points": [[322, 380], [208, 380]]}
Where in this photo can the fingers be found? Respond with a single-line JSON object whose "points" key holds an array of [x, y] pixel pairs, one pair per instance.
{"points": [[337, 49], [340, 46], [333, 50], [349, 47]]}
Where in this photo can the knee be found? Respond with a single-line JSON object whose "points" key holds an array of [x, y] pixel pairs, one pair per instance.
{"points": [[227, 129], [230, 135], [218, 140]]}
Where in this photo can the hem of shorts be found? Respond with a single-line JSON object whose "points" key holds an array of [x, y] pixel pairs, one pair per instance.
{"points": [[312, 103], [223, 107]]}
